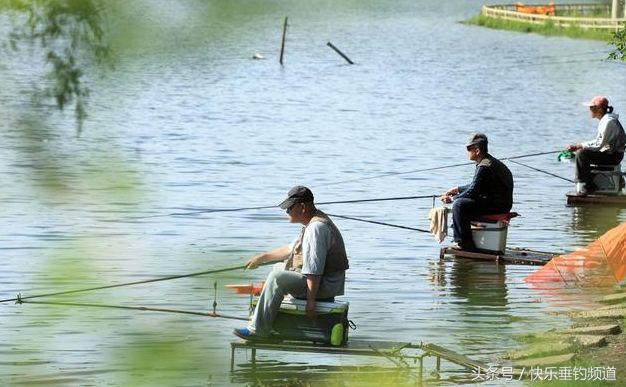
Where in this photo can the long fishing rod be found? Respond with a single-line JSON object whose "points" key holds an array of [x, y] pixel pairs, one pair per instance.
{"points": [[542, 171], [380, 223], [141, 308], [238, 209], [434, 168], [211, 210], [171, 277]]}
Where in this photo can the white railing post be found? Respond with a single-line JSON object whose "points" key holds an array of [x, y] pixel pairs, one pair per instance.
{"points": [[614, 8]]}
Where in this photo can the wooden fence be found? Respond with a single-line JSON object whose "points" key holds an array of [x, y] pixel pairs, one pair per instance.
{"points": [[508, 12]]}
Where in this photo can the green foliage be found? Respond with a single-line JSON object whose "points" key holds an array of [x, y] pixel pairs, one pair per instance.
{"points": [[548, 29], [157, 358], [619, 42], [67, 32]]}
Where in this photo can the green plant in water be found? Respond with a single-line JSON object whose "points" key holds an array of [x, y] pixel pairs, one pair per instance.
{"points": [[619, 42]]}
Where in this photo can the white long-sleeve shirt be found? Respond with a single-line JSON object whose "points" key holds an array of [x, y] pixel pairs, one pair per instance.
{"points": [[610, 138]]}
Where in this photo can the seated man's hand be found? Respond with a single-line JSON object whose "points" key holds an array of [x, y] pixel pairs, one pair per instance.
{"points": [[255, 262], [452, 191], [574, 147], [447, 198], [310, 309]]}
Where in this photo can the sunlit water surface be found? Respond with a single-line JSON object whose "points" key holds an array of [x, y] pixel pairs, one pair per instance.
{"points": [[189, 121]]}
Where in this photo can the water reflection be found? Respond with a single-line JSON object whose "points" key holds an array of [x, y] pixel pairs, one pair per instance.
{"points": [[206, 127], [307, 375], [588, 222], [480, 283]]}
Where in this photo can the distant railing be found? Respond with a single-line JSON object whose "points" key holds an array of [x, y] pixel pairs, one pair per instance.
{"points": [[509, 12]]}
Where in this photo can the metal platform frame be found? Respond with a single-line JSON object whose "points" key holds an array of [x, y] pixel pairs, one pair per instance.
{"points": [[392, 351], [516, 256]]}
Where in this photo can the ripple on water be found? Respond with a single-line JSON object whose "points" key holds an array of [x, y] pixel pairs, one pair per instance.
{"points": [[210, 129]]}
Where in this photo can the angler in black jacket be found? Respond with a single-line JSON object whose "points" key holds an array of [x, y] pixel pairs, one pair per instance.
{"points": [[490, 192]]}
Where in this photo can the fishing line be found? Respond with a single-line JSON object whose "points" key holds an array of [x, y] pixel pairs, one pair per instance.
{"points": [[141, 308], [549, 60], [538, 64], [19, 298], [380, 223], [542, 171], [433, 168]]}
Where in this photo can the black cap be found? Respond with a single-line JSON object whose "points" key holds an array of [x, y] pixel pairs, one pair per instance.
{"points": [[477, 138], [298, 194]]}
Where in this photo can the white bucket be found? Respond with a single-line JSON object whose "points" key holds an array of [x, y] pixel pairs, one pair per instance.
{"points": [[490, 236]]}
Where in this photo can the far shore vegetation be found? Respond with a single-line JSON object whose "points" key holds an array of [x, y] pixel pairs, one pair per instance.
{"points": [[548, 29]]}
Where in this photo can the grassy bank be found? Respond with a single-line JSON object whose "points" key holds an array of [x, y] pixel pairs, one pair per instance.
{"points": [[548, 29]]}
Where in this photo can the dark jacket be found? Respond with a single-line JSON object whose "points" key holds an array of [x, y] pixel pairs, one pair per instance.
{"points": [[492, 185]]}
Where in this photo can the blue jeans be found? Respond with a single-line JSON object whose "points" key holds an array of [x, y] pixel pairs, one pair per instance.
{"points": [[465, 210]]}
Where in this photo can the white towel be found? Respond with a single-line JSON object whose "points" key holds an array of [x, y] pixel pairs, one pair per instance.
{"points": [[438, 223]]}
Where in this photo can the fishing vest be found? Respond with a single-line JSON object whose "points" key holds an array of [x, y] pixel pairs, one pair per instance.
{"points": [[336, 258]]}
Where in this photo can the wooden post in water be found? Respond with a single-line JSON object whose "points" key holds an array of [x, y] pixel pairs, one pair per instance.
{"points": [[282, 45], [329, 44]]}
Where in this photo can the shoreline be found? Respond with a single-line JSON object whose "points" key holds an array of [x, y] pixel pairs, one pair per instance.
{"points": [[547, 29], [596, 338]]}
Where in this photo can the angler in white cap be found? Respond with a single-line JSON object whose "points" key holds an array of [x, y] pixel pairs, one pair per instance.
{"points": [[606, 149]]}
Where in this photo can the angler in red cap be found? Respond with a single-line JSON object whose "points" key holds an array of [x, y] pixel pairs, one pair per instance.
{"points": [[606, 149]]}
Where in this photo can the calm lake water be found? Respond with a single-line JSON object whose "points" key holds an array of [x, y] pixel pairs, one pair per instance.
{"points": [[188, 121]]}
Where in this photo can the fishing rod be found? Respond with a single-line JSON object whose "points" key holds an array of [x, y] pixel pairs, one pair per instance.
{"points": [[20, 298], [211, 210], [542, 171], [140, 308], [435, 168], [431, 196]]}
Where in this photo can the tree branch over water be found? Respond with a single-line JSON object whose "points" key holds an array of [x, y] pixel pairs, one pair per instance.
{"points": [[68, 34], [619, 41]]}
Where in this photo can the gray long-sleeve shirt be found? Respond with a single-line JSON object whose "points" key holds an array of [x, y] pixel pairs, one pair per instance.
{"points": [[610, 138]]}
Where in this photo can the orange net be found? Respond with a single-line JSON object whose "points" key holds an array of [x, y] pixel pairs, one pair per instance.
{"points": [[601, 263], [547, 9]]}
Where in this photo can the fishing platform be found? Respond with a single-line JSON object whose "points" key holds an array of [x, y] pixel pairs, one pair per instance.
{"points": [[515, 256], [401, 354], [489, 233], [574, 198], [609, 179]]}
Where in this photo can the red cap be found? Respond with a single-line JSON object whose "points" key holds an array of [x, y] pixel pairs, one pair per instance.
{"points": [[598, 101]]}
